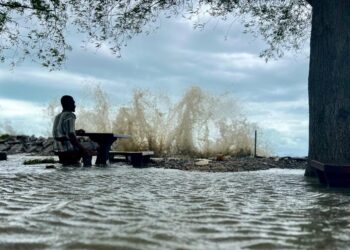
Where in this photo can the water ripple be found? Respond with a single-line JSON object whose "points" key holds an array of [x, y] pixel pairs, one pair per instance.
{"points": [[119, 207]]}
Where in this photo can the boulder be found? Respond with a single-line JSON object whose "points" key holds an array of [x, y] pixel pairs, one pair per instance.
{"points": [[48, 142], [32, 138], [202, 162], [4, 147], [220, 157], [48, 150], [3, 156], [157, 160], [32, 149], [16, 148]]}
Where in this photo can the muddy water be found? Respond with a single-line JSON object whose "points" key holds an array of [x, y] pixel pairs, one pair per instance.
{"points": [[119, 207]]}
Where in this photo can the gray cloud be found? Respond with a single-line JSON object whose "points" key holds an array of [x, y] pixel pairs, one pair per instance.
{"points": [[218, 59]]}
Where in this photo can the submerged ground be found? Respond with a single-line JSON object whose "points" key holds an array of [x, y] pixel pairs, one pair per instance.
{"points": [[119, 207]]}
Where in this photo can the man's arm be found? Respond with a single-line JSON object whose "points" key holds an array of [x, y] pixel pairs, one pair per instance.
{"points": [[70, 123], [73, 139], [80, 132]]}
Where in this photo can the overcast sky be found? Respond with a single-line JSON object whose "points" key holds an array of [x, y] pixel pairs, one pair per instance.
{"points": [[218, 59]]}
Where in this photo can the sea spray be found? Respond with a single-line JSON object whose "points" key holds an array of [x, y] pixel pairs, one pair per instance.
{"points": [[199, 124], [147, 120], [7, 128], [98, 117]]}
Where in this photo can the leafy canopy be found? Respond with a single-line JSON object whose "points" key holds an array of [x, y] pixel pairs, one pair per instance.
{"points": [[38, 28]]}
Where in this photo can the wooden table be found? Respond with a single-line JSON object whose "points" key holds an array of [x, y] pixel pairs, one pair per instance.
{"points": [[105, 141]]}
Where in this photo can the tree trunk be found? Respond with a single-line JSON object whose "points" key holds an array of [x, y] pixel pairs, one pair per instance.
{"points": [[329, 82]]}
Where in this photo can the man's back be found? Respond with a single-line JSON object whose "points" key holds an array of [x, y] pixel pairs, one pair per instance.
{"points": [[64, 124]]}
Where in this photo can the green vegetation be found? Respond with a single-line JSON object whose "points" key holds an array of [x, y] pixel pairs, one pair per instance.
{"points": [[37, 29], [39, 161], [4, 137]]}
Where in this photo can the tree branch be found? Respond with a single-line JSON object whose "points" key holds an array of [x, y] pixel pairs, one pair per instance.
{"points": [[16, 5]]}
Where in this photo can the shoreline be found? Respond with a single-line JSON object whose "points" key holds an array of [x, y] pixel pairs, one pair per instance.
{"points": [[40, 146]]}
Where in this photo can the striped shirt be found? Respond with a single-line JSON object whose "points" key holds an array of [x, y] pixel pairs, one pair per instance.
{"points": [[64, 124]]}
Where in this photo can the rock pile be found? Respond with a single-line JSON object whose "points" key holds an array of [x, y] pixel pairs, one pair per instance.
{"points": [[16, 144], [230, 164]]}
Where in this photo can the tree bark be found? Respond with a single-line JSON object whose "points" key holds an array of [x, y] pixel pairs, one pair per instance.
{"points": [[329, 82], [309, 2]]}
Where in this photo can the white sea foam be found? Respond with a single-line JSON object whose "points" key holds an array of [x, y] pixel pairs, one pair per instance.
{"points": [[199, 123]]}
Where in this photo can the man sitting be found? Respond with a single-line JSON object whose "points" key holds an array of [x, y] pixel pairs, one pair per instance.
{"points": [[66, 144]]}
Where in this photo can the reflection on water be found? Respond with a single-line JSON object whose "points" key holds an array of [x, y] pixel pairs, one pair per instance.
{"points": [[119, 207]]}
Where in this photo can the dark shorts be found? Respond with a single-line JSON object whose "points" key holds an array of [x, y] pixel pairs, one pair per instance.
{"points": [[74, 156]]}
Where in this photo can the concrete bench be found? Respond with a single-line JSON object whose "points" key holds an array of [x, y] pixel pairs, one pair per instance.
{"points": [[138, 159], [332, 174], [3, 156]]}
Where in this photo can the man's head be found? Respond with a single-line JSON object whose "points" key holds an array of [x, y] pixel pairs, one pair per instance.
{"points": [[68, 103]]}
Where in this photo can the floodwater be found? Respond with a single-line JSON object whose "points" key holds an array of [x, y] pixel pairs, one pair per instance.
{"points": [[118, 207]]}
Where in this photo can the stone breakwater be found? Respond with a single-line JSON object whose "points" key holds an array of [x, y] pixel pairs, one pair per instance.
{"points": [[18, 144]]}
